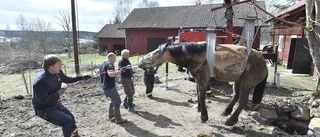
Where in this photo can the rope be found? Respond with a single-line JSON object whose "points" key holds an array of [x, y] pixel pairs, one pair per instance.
{"points": [[97, 74], [83, 80], [317, 89]]}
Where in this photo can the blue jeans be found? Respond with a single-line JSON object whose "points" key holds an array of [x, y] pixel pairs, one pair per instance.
{"points": [[61, 116], [113, 94]]}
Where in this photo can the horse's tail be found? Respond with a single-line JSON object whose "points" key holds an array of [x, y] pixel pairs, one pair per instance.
{"points": [[258, 91]]}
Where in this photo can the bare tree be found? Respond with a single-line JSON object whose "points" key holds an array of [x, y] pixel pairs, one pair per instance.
{"points": [[64, 20], [6, 49], [148, 4], [313, 29], [26, 43], [123, 9], [27, 34], [117, 20], [8, 35], [42, 36]]}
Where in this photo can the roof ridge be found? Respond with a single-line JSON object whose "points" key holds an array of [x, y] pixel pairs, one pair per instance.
{"points": [[181, 6]]}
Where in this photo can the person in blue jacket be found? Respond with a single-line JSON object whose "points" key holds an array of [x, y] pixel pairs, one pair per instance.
{"points": [[46, 95], [126, 78]]}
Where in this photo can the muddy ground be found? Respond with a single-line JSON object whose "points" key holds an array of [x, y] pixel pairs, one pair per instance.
{"points": [[171, 113]]}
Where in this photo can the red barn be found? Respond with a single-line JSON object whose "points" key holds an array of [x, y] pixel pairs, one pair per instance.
{"points": [[147, 28], [293, 50], [110, 39]]}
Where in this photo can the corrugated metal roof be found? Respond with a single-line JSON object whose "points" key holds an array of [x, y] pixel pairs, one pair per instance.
{"points": [[111, 31], [195, 16], [293, 7]]}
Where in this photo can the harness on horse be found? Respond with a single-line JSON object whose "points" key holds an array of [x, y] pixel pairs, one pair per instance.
{"points": [[143, 62]]}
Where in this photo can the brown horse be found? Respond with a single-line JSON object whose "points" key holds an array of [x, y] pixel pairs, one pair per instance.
{"points": [[232, 63]]}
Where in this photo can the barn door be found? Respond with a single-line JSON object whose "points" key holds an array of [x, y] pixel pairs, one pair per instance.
{"points": [[117, 49], [153, 43], [291, 53], [302, 58]]}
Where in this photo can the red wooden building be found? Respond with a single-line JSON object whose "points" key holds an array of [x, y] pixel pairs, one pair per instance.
{"points": [[110, 39], [147, 28], [293, 49]]}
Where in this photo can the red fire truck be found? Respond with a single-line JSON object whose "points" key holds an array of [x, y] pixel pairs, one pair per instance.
{"points": [[197, 35]]}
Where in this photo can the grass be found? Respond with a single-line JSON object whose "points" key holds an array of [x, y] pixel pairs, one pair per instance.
{"points": [[13, 84], [292, 82]]}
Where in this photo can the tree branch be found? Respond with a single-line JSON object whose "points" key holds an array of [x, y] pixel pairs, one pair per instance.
{"points": [[280, 19]]}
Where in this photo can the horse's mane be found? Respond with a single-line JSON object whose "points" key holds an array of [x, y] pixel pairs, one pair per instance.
{"points": [[187, 48]]}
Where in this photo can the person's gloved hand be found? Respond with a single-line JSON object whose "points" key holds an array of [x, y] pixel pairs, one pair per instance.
{"points": [[85, 77], [61, 91], [123, 70], [128, 67]]}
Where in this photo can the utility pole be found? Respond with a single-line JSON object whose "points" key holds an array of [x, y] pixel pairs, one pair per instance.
{"points": [[229, 21], [229, 16], [75, 38]]}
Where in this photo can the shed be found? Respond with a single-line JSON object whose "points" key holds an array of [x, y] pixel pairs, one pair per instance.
{"points": [[111, 39]]}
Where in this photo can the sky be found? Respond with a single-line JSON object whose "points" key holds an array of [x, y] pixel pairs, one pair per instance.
{"points": [[92, 14]]}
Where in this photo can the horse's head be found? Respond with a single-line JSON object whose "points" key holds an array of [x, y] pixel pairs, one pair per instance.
{"points": [[154, 58]]}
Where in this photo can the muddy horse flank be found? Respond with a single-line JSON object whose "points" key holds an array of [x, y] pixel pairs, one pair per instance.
{"points": [[232, 63]]}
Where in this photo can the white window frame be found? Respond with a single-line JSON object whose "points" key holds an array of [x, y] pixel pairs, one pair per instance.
{"points": [[294, 36], [281, 42]]}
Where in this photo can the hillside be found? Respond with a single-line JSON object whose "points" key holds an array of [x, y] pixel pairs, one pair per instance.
{"points": [[17, 33]]}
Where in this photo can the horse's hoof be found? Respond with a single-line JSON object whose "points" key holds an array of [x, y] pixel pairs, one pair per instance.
{"points": [[204, 119], [224, 114], [246, 107], [230, 122]]}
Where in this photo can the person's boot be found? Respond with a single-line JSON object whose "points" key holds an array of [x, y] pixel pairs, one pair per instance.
{"points": [[149, 95], [75, 133], [125, 103], [111, 114], [130, 105], [117, 116]]}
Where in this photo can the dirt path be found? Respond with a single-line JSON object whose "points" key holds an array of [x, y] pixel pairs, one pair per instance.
{"points": [[170, 113]]}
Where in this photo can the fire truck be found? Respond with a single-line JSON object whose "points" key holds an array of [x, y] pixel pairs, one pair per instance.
{"points": [[198, 35]]}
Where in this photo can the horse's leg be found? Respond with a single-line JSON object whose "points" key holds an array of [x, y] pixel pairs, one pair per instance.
{"points": [[198, 96], [201, 87], [234, 99], [244, 95], [204, 113]]}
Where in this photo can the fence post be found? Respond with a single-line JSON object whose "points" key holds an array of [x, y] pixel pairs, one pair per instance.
{"points": [[138, 57], [92, 68], [25, 82], [65, 68]]}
